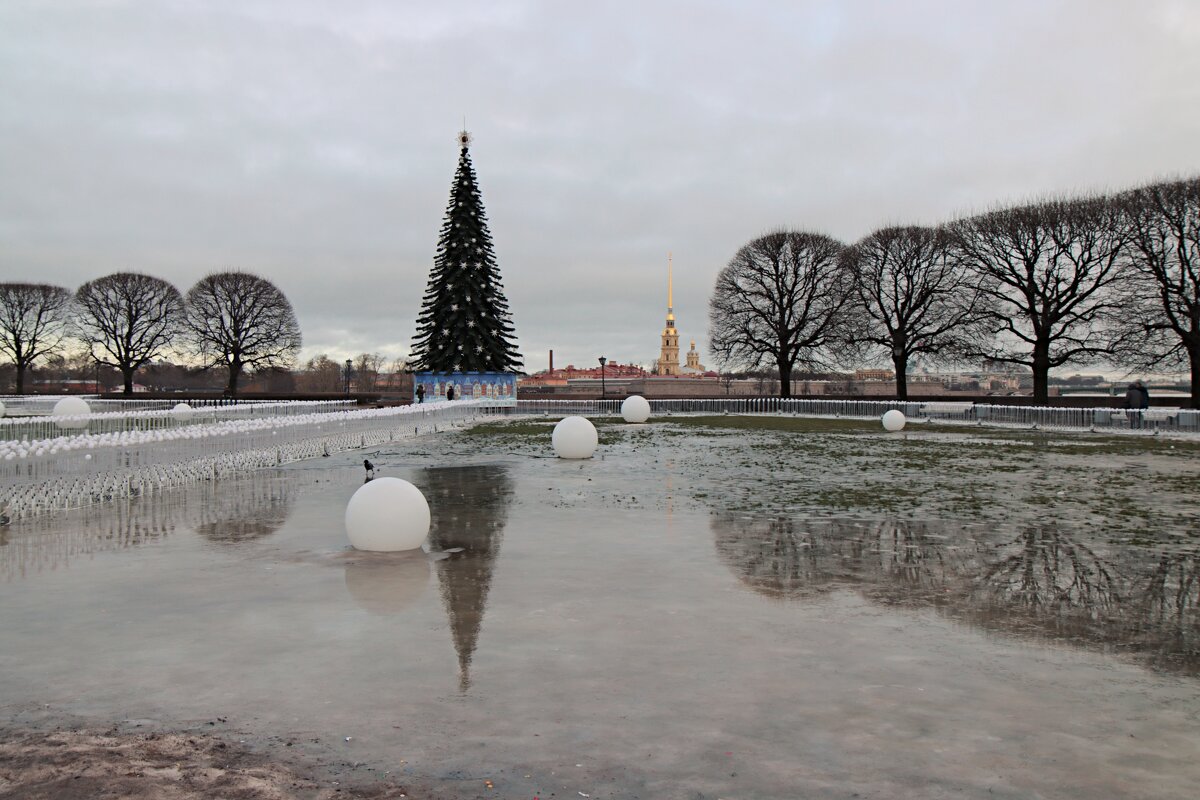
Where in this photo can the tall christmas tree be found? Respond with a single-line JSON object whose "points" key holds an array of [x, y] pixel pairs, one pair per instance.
{"points": [[464, 324]]}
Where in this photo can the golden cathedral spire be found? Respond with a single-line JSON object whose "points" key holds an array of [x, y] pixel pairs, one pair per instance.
{"points": [[668, 360], [670, 301]]}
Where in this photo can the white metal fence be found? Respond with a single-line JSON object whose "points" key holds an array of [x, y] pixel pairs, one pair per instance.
{"points": [[1148, 421], [74, 470], [103, 419]]}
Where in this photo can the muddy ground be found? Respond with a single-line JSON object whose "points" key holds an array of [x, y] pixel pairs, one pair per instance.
{"points": [[712, 607]]}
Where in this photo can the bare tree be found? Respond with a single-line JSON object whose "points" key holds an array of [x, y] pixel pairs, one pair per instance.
{"points": [[1161, 323], [783, 300], [1050, 274], [242, 322], [366, 368], [321, 374], [126, 319], [33, 323], [917, 299]]}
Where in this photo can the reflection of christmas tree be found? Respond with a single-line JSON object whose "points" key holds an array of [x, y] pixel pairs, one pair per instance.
{"points": [[470, 506], [464, 324]]}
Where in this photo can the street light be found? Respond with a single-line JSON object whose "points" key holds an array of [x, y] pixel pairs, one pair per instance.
{"points": [[349, 369], [603, 392]]}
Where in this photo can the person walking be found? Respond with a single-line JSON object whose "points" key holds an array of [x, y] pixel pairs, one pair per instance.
{"points": [[1137, 400], [450, 392], [420, 393]]}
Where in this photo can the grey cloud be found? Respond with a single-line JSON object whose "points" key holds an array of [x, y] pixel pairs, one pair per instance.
{"points": [[314, 142]]}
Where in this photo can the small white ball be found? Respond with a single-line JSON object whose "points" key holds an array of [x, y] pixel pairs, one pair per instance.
{"points": [[387, 514], [893, 421], [635, 408], [575, 437], [71, 407], [182, 412]]}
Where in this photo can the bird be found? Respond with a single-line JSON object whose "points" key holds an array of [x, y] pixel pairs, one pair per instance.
{"points": [[370, 468]]}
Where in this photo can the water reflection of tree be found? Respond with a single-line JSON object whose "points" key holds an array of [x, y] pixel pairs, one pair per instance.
{"points": [[469, 507], [784, 558], [254, 506], [47, 543], [1043, 582], [1167, 609]]}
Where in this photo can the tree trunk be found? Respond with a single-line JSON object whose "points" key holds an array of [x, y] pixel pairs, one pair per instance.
{"points": [[1194, 358], [235, 371], [785, 379], [127, 375], [20, 379], [901, 364], [1041, 372]]}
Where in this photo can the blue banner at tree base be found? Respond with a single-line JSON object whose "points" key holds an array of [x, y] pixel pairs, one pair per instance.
{"points": [[498, 387]]}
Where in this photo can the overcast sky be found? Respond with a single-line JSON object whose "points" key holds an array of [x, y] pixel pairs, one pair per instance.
{"points": [[314, 142]]}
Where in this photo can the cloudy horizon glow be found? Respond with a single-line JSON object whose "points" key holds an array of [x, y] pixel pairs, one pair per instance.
{"points": [[314, 143]]}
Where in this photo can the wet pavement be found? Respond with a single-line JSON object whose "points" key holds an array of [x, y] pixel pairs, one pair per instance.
{"points": [[617, 628]]}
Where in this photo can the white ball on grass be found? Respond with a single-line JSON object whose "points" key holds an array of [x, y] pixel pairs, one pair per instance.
{"points": [[183, 412], [893, 421], [71, 407], [575, 437], [635, 408], [387, 514]]}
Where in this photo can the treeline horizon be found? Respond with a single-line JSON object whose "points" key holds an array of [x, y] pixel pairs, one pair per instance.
{"points": [[1085, 280]]}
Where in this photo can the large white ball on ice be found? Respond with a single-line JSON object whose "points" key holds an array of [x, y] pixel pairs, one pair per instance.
{"points": [[387, 514], [182, 412], [893, 421], [575, 437], [635, 408], [71, 407]]}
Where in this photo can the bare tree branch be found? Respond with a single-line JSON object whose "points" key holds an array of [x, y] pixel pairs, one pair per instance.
{"points": [[1161, 310], [1051, 274], [242, 322], [33, 323], [126, 319], [783, 299], [917, 298]]}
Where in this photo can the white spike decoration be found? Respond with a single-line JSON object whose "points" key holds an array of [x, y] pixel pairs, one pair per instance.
{"points": [[68, 471]]}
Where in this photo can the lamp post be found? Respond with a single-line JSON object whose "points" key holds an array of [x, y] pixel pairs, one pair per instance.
{"points": [[349, 369], [603, 391]]}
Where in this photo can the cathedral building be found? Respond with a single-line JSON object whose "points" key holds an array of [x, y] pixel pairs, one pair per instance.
{"points": [[668, 358]]}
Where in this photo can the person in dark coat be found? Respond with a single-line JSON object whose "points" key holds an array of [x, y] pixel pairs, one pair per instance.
{"points": [[450, 392], [1137, 400], [420, 393]]}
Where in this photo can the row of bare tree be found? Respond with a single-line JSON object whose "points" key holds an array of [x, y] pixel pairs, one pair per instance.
{"points": [[231, 320], [1099, 279]]}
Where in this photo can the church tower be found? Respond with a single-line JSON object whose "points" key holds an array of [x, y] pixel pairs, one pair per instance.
{"points": [[668, 360]]}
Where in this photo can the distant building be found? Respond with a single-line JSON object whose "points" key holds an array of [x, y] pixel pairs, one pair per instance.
{"points": [[668, 358]]}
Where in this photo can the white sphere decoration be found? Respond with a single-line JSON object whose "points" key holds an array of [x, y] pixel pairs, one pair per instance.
{"points": [[182, 412], [635, 408], [575, 437], [893, 421], [71, 407], [387, 514]]}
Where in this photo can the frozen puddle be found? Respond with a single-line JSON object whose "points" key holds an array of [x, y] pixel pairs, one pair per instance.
{"points": [[561, 644]]}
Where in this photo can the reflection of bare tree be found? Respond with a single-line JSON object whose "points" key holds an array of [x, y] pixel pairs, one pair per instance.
{"points": [[899, 560], [1043, 582], [231, 510], [771, 556], [1166, 605], [1044, 568], [469, 507], [258, 506]]}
